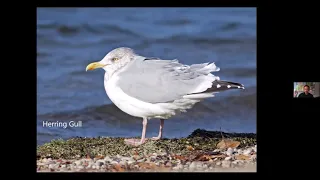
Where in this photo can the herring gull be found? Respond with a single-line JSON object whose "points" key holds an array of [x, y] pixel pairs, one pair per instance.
{"points": [[150, 88]]}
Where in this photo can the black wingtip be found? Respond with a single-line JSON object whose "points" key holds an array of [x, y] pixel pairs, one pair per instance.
{"points": [[224, 85], [218, 86]]}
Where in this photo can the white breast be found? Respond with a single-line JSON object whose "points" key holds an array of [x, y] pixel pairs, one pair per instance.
{"points": [[128, 104]]}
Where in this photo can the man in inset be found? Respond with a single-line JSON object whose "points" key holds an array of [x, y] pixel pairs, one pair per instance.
{"points": [[306, 93]]}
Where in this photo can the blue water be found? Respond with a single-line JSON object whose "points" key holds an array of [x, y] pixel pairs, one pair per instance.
{"points": [[68, 39]]}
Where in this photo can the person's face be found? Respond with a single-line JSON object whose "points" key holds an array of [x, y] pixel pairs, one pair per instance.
{"points": [[306, 89]]}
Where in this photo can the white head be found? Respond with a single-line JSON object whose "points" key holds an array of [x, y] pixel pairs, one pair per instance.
{"points": [[114, 60]]}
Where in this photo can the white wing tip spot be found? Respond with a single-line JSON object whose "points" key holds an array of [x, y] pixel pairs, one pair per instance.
{"points": [[218, 86], [239, 87], [229, 86]]}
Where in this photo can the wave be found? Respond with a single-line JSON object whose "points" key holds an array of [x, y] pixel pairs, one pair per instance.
{"points": [[230, 26], [113, 34], [175, 22], [91, 28], [196, 40]]}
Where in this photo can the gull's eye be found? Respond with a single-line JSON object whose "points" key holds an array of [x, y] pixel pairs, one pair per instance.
{"points": [[115, 59]]}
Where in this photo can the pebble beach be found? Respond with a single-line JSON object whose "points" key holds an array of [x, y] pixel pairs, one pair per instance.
{"points": [[202, 151]]}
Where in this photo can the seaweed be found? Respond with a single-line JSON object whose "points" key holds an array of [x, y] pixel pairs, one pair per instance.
{"points": [[79, 147]]}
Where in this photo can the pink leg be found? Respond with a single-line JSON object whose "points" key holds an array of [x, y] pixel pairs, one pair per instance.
{"points": [[137, 142], [160, 130]]}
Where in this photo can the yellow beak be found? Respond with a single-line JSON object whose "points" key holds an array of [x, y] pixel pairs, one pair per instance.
{"points": [[94, 65]]}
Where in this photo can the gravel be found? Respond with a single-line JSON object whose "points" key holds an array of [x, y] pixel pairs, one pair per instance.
{"points": [[199, 152], [156, 163]]}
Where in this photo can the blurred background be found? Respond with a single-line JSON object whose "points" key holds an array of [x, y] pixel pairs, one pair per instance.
{"points": [[70, 38]]}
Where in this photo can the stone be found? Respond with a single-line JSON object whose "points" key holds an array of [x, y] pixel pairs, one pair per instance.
{"points": [[107, 159], [253, 157], [113, 162], [130, 162], [199, 165], [168, 164], [216, 150], [78, 163], [226, 164], [240, 151], [123, 163], [99, 163], [192, 166], [137, 157], [51, 166], [247, 151], [229, 152]]}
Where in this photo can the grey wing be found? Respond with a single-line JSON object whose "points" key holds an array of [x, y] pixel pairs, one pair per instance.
{"points": [[159, 81]]}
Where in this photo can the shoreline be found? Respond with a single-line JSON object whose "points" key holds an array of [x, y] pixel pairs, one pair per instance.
{"points": [[202, 151]]}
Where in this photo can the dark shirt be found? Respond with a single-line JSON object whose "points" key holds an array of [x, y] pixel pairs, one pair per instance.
{"points": [[304, 95]]}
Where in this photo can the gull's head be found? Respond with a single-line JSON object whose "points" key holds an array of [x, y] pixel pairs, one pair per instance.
{"points": [[114, 60]]}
